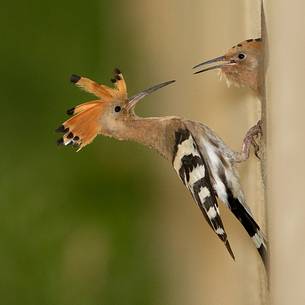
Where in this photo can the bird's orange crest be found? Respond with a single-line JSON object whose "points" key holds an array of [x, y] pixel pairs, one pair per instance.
{"points": [[81, 129], [102, 116]]}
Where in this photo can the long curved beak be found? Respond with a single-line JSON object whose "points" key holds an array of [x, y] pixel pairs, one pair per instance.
{"points": [[221, 59], [132, 101]]}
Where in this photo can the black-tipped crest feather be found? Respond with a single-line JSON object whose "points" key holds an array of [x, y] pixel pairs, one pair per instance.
{"points": [[74, 78]]}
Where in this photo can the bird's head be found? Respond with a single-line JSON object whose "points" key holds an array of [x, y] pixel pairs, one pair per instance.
{"points": [[103, 116], [240, 65]]}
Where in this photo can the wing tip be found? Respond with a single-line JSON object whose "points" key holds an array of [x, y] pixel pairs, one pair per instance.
{"points": [[263, 252], [228, 246]]}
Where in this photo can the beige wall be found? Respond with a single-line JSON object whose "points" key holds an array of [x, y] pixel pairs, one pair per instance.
{"points": [[285, 156], [175, 36]]}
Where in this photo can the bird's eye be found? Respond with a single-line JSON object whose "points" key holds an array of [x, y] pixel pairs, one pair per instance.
{"points": [[117, 108], [241, 56]]}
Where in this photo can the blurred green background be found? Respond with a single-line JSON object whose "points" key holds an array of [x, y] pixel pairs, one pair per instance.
{"points": [[112, 224], [72, 225]]}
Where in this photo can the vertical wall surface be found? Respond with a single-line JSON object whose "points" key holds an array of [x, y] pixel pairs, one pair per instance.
{"points": [[176, 35], [285, 25], [113, 224]]}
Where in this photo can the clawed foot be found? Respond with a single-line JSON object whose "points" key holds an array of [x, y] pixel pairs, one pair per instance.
{"points": [[252, 134], [250, 140]]}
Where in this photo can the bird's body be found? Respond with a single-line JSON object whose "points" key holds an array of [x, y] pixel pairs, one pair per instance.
{"points": [[204, 163], [242, 66]]}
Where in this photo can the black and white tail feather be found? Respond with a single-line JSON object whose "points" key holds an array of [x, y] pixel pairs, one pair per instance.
{"points": [[208, 174]]}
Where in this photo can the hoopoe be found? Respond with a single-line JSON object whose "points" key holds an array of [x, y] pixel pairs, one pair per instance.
{"points": [[241, 66], [204, 163]]}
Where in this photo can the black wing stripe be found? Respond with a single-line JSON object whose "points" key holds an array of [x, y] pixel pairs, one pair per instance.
{"points": [[190, 162]]}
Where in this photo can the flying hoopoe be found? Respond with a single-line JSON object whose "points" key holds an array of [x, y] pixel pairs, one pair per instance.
{"points": [[200, 158], [241, 66]]}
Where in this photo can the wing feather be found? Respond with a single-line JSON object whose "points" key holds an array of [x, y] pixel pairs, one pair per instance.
{"points": [[194, 173], [225, 182]]}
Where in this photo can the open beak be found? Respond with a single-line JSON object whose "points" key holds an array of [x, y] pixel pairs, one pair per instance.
{"points": [[132, 101], [220, 61]]}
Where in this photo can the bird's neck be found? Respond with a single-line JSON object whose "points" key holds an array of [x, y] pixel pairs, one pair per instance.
{"points": [[151, 132]]}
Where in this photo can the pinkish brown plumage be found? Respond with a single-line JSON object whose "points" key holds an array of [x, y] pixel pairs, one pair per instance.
{"points": [[241, 66], [203, 162]]}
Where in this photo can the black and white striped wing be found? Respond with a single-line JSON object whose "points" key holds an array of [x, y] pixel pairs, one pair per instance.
{"points": [[194, 173], [228, 189]]}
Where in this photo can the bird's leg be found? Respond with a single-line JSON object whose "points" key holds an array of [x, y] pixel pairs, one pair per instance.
{"points": [[249, 140]]}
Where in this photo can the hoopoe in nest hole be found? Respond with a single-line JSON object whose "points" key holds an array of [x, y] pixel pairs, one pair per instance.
{"points": [[203, 162], [241, 66]]}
